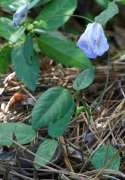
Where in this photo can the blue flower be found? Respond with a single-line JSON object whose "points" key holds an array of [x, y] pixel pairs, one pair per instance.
{"points": [[93, 41], [20, 15]]}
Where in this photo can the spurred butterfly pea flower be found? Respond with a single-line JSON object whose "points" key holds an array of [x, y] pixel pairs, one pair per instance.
{"points": [[93, 41], [20, 15]]}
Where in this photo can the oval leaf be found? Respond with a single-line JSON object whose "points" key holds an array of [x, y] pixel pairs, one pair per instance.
{"points": [[6, 28], [54, 108], [26, 64], [106, 157], [63, 51], [84, 79], [24, 133], [57, 13], [58, 126], [45, 152], [6, 133]]}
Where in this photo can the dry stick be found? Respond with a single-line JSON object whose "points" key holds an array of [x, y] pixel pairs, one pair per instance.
{"points": [[106, 171], [103, 93], [71, 174], [76, 175], [30, 152], [87, 123], [8, 78], [64, 177], [28, 93], [110, 177], [106, 137], [115, 115], [106, 84], [66, 159], [20, 175], [77, 134], [121, 89], [111, 132]]}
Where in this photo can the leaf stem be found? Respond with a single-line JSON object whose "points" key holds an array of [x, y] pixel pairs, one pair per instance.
{"points": [[74, 15]]}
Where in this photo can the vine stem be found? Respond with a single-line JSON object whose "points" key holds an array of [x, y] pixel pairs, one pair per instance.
{"points": [[71, 15], [74, 15]]}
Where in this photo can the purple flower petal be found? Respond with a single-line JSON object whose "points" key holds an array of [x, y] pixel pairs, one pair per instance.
{"points": [[93, 41], [20, 15]]}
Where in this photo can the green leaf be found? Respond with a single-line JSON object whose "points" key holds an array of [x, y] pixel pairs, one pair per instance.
{"points": [[106, 157], [6, 28], [6, 133], [24, 133], [58, 126], [4, 58], [19, 34], [33, 3], [103, 3], [55, 107], [80, 109], [122, 1], [56, 34], [45, 1], [11, 5], [84, 79], [107, 14], [56, 13], [9, 32], [63, 51], [25, 63], [45, 152]]}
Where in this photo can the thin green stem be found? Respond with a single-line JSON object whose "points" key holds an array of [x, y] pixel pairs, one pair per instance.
{"points": [[74, 15]]}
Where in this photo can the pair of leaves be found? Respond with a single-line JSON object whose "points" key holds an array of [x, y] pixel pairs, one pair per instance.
{"points": [[57, 12], [25, 63], [106, 157], [23, 133], [54, 110]]}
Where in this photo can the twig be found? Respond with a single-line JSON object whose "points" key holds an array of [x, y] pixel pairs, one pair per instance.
{"points": [[20, 175]]}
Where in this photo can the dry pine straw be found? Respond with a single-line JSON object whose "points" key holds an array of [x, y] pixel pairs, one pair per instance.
{"points": [[105, 99]]}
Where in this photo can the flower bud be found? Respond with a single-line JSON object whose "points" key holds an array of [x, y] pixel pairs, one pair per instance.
{"points": [[93, 41], [20, 15]]}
